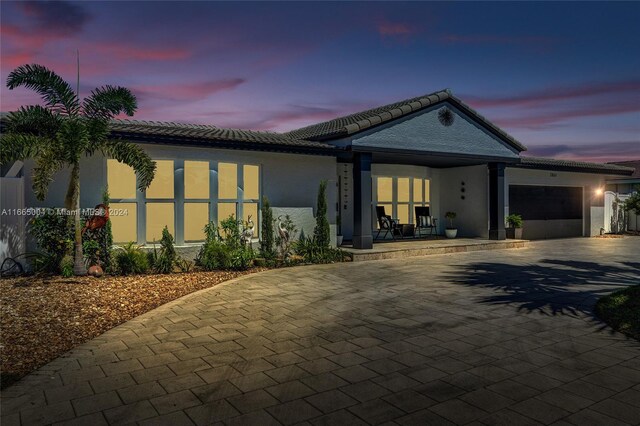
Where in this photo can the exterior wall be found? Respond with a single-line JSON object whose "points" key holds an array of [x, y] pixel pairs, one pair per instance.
{"points": [[423, 131], [473, 212], [593, 203], [288, 180]]}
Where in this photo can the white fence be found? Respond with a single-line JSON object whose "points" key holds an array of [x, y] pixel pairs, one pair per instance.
{"points": [[12, 225]]}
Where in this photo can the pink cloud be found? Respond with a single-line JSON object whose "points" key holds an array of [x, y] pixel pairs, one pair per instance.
{"points": [[190, 91]]}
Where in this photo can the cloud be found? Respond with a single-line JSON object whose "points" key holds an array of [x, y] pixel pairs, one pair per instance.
{"points": [[557, 94], [188, 91], [60, 17], [601, 152], [392, 29]]}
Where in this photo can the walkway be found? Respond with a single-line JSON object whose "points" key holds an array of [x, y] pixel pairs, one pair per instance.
{"points": [[496, 337]]}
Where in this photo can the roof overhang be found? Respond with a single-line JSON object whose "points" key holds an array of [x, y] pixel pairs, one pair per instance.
{"points": [[572, 166]]}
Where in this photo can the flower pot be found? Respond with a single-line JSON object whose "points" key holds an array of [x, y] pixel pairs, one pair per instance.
{"points": [[451, 233], [514, 233], [339, 240]]}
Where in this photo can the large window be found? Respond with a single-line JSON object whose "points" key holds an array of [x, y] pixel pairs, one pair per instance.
{"points": [[201, 195], [400, 195]]}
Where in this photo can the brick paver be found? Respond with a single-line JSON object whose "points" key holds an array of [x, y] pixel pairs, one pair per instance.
{"points": [[500, 337]]}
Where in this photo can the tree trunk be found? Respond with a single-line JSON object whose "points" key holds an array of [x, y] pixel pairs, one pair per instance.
{"points": [[73, 200]]}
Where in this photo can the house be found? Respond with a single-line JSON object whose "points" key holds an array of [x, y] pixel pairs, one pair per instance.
{"points": [[432, 150], [617, 190]]}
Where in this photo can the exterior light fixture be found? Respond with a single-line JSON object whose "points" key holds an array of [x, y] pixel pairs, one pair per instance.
{"points": [[599, 191]]}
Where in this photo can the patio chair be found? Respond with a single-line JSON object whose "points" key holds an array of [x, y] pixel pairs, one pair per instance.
{"points": [[386, 224], [424, 220]]}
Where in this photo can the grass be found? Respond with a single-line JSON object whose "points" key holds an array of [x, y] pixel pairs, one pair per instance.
{"points": [[621, 310]]}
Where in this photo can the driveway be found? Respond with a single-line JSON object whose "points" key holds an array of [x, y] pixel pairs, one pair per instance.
{"points": [[497, 337]]}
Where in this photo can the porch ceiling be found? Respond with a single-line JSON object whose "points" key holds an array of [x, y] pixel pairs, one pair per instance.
{"points": [[435, 160]]}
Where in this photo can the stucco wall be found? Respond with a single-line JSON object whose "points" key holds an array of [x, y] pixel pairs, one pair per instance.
{"points": [[288, 180], [473, 212]]}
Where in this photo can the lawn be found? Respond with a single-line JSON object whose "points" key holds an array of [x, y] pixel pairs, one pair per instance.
{"points": [[42, 318], [621, 310]]}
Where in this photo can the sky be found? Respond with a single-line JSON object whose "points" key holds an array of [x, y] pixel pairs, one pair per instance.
{"points": [[562, 78]]}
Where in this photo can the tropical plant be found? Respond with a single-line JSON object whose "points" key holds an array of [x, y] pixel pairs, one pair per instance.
{"points": [[131, 259], [632, 203], [322, 231], [164, 262], [267, 242], [450, 216], [312, 252], [53, 238], [226, 252], [514, 221], [65, 129]]}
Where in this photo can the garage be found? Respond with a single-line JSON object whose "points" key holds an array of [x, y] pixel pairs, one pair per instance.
{"points": [[548, 211]]}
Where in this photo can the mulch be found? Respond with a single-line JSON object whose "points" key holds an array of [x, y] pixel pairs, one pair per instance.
{"points": [[41, 318]]}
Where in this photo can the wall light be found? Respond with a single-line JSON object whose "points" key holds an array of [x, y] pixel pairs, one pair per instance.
{"points": [[599, 191]]}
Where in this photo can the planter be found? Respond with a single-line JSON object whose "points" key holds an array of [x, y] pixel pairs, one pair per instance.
{"points": [[451, 233], [339, 240], [514, 233]]}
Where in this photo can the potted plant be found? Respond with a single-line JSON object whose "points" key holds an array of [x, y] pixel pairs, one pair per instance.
{"points": [[514, 231], [450, 231]]}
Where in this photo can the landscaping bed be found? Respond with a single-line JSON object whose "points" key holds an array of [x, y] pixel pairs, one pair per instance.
{"points": [[44, 317], [621, 310]]}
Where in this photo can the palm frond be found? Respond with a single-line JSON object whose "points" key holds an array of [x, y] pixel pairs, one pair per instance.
{"points": [[55, 92], [108, 101], [47, 164], [33, 120], [19, 147], [98, 133], [73, 138], [134, 156]]}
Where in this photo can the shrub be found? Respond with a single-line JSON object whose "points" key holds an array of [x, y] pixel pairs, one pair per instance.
{"points": [[92, 252], [224, 252], [322, 231], [514, 221], [54, 238], [266, 243], [131, 259], [164, 261], [185, 265], [66, 266], [450, 216], [312, 252]]}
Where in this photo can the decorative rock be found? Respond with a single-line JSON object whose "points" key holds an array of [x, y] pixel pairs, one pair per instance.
{"points": [[95, 271]]}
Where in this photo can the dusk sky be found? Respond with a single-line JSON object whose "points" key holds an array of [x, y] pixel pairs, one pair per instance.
{"points": [[562, 78]]}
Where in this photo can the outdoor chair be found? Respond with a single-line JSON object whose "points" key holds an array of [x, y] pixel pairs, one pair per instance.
{"points": [[386, 224], [424, 220]]}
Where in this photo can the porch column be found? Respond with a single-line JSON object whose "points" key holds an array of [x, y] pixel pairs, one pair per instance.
{"points": [[362, 236], [496, 202]]}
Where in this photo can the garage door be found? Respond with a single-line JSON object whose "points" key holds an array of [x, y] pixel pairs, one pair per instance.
{"points": [[548, 211]]}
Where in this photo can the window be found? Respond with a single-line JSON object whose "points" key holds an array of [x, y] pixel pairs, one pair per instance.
{"points": [[159, 215], [123, 217], [196, 180], [251, 182], [225, 210], [400, 195], [227, 181], [162, 185], [123, 213], [196, 216]]}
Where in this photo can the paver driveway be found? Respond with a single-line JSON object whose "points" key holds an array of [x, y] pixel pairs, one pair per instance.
{"points": [[500, 337]]}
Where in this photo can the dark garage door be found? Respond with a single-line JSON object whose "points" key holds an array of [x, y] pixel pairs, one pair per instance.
{"points": [[548, 211]]}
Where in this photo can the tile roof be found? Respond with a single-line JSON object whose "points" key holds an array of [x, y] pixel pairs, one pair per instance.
{"points": [[207, 133], [354, 123], [632, 163], [570, 165]]}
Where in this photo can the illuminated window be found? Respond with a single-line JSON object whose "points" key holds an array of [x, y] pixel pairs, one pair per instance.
{"points": [[385, 189], [123, 217], [403, 190], [225, 210], [251, 209], [403, 213], [196, 180], [159, 215], [418, 194], [227, 181], [121, 180], [251, 179], [162, 185], [427, 189], [196, 216]]}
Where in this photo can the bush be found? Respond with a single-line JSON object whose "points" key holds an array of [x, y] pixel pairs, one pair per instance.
{"points": [[54, 238], [322, 230], [164, 262], [267, 242], [92, 252], [312, 252], [131, 259], [226, 252], [66, 266]]}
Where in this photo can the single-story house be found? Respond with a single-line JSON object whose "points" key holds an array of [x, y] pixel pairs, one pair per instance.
{"points": [[433, 151]]}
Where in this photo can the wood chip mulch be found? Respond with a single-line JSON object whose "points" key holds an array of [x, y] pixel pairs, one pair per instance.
{"points": [[41, 318]]}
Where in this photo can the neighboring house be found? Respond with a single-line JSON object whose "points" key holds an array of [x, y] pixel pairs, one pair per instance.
{"points": [[427, 151], [617, 190]]}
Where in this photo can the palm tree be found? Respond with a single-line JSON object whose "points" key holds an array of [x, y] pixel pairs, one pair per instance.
{"points": [[58, 134]]}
